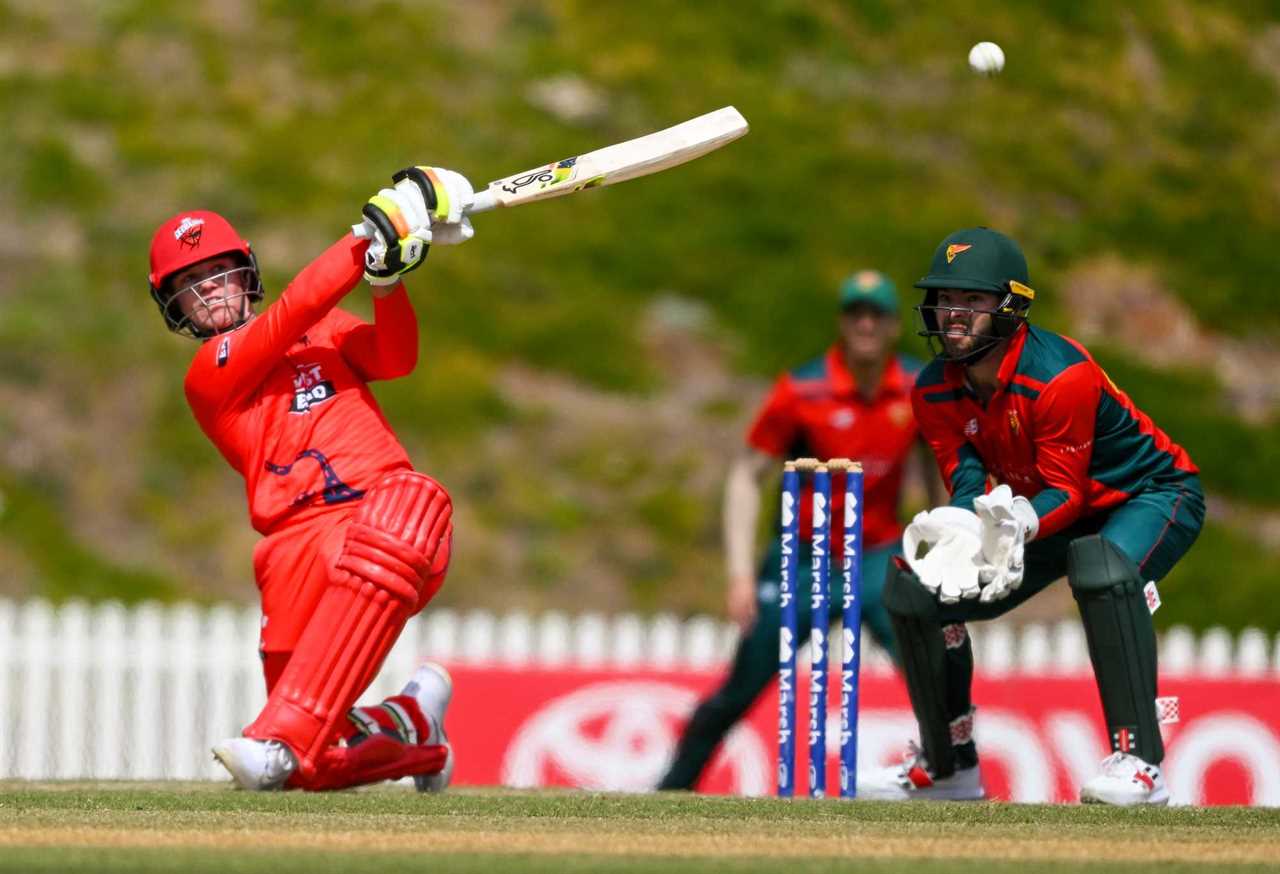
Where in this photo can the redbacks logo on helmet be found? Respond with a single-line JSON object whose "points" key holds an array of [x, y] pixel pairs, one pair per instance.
{"points": [[188, 231], [955, 249]]}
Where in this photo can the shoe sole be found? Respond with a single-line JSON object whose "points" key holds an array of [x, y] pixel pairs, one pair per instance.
{"points": [[224, 758], [433, 784], [220, 756], [897, 792], [873, 796], [1151, 802]]}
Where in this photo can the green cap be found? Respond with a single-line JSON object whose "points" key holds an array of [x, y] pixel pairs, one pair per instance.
{"points": [[869, 287], [979, 259]]}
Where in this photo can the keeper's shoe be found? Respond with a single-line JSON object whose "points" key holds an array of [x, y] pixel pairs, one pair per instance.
{"points": [[1125, 780], [912, 781], [256, 765], [432, 688]]}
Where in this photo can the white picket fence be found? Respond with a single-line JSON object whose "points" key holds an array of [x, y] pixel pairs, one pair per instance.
{"points": [[109, 692]]}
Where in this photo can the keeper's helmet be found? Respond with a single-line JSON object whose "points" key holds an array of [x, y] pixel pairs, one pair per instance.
{"points": [[977, 259], [189, 238]]}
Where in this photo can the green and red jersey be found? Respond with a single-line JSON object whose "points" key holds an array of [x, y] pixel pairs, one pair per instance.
{"points": [[816, 410], [1058, 431]]}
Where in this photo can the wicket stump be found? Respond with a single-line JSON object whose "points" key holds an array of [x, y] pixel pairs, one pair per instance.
{"points": [[851, 636]]}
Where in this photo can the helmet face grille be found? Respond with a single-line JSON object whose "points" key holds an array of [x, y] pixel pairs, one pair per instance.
{"points": [[1007, 316], [209, 301]]}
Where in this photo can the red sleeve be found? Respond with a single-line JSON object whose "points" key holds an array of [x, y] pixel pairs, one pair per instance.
{"points": [[386, 349], [245, 357], [775, 427], [1065, 415], [959, 463]]}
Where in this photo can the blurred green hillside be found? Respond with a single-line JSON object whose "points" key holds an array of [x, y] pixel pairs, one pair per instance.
{"points": [[589, 364]]}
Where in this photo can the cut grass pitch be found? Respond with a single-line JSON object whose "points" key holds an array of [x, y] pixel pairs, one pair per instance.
{"points": [[193, 828]]}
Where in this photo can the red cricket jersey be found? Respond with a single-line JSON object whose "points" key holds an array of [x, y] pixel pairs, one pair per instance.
{"points": [[285, 400], [816, 411], [1058, 431]]}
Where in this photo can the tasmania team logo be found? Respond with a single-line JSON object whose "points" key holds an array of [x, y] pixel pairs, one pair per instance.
{"points": [[866, 281], [955, 249], [188, 232]]}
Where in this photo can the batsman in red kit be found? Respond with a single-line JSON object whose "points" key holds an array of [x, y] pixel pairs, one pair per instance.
{"points": [[355, 541]]}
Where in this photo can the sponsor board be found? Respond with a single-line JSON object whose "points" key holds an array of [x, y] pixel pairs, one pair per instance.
{"points": [[1039, 737]]}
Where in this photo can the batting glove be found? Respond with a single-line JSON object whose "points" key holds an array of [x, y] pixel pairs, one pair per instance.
{"points": [[442, 196], [399, 235]]}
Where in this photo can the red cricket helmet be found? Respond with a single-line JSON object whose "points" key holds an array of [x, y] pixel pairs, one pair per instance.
{"points": [[188, 238]]}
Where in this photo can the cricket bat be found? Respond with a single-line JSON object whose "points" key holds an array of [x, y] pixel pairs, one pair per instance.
{"points": [[617, 163]]}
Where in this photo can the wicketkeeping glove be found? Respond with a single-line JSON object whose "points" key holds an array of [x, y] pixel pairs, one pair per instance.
{"points": [[953, 538], [1008, 522]]}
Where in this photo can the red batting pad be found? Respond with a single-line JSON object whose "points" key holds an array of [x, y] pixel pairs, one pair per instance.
{"points": [[390, 549]]}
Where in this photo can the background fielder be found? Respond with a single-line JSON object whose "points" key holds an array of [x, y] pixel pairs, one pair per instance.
{"points": [[852, 402]]}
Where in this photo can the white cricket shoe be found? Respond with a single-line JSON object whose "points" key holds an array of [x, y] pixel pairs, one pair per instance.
{"points": [[1125, 780], [911, 780], [256, 765], [432, 687]]}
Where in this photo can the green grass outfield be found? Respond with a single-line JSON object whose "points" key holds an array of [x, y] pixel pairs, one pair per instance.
{"points": [[193, 828]]}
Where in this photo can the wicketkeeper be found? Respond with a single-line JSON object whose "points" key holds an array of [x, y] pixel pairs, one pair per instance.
{"points": [[1053, 472], [354, 540], [851, 402]]}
